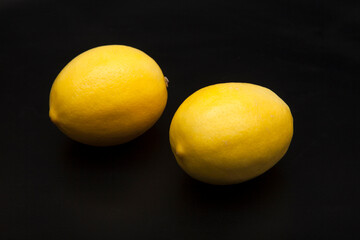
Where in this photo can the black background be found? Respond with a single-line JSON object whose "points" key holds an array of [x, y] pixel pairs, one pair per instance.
{"points": [[305, 51]]}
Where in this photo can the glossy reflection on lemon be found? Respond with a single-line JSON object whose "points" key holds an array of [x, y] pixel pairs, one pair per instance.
{"points": [[230, 132], [108, 95]]}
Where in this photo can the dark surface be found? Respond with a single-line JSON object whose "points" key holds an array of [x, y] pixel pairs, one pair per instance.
{"points": [[305, 51]]}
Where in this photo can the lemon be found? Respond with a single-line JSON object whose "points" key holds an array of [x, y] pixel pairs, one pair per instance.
{"points": [[108, 95], [231, 132]]}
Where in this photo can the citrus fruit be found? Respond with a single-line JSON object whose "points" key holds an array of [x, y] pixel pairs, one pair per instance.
{"points": [[231, 132], [108, 95]]}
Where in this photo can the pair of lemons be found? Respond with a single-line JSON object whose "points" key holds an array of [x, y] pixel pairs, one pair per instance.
{"points": [[222, 134]]}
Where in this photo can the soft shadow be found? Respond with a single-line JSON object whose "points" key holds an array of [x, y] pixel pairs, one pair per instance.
{"points": [[106, 177], [263, 190], [81, 157]]}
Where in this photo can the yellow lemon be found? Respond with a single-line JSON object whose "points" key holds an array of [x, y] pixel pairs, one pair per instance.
{"points": [[231, 132], [108, 95]]}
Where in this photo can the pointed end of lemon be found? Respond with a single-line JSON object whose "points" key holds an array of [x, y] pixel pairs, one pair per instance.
{"points": [[53, 116], [179, 151]]}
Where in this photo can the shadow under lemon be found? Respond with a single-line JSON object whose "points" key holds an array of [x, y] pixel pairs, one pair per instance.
{"points": [[108, 176], [267, 189]]}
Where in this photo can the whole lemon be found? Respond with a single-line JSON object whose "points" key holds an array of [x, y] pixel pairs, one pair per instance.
{"points": [[231, 132], [108, 95]]}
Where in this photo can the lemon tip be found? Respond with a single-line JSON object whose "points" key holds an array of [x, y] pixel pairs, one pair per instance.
{"points": [[179, 151], [52, 116]]}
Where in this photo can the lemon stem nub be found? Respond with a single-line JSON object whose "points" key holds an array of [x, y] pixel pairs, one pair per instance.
{"points": [[179, 151], [166, 81]]}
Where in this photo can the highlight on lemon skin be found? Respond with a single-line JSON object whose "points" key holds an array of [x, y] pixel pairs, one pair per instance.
{"points": [[108, 95], [229, 133]]}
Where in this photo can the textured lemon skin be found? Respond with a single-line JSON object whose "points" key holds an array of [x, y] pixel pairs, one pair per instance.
{"points": [[230, 132], [108, 95]]}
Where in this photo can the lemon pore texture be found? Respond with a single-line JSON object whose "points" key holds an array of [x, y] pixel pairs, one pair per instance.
{"points": [[231, 132], [108, 95]]}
